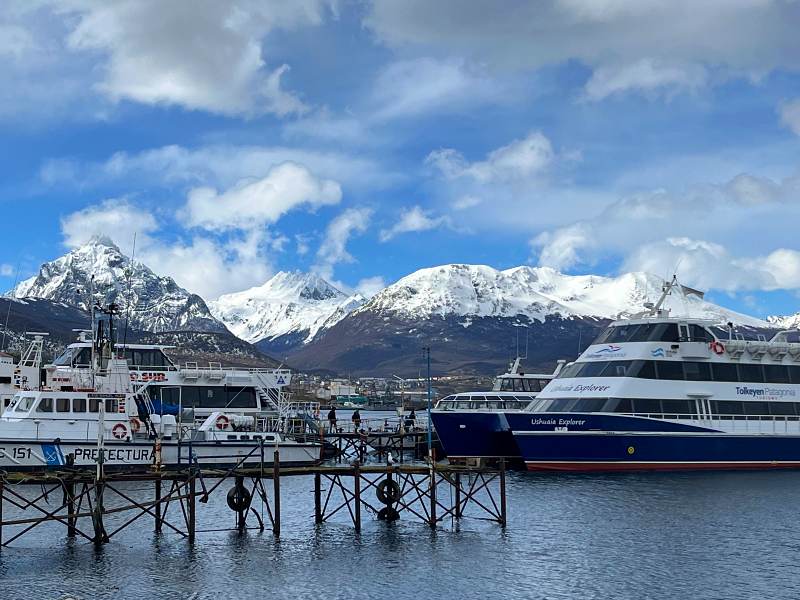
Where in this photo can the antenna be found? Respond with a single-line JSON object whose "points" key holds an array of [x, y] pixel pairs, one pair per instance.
{"points": [[128, 301], [8, 312]]}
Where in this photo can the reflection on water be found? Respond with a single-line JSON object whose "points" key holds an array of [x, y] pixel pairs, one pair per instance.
{"points": [[709, 535]]}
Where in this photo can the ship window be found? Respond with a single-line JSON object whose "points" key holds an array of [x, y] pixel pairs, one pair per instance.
{"points": [[24, 404], [543, 383], [45, 405], [625, 405], [463, 403], [94, 405], [644, 369], [726, 407], [664, 332], [699, 334], [756, 408], [724, 372], [776, 373], [668, 369], [678, 407], [506, 385], [647, 405], [570, 370], [697, 371], [62, 405], [83, 358], [617, 368], [494, 402], [751, 373], [588, 405], [782, 408], [79, 405], [794, 374], [241, 397], [111, 405], [65, 359]]}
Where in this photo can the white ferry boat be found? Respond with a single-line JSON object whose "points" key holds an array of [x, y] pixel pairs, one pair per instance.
{"points": [[657, 392], [105, 408], [473, 424]]}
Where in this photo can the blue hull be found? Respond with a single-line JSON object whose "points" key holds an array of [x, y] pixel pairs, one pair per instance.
{"points": [[620, 443], [473, 433]]}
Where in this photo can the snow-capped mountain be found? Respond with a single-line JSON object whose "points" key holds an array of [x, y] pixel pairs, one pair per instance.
{"points": [[785, 322], [157, 303], [289, 309], [536, 293]]}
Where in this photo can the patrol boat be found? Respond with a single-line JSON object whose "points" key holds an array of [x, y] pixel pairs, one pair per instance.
{"points": [[661, 393], [102, 410], [473, 424]]}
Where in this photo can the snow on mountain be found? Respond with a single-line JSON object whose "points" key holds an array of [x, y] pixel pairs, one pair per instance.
{"points": [[535, 292], [785, 322], [157, 303], [291, 303]]}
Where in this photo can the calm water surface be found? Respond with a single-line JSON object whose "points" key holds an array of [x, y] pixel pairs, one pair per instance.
{"points": [[711, 535]]}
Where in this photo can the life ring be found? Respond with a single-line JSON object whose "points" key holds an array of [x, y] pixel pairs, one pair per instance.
{"points": [[238, 498], [136, 424], [717, 347], [222, 422], [119, 431], [388, 492]]}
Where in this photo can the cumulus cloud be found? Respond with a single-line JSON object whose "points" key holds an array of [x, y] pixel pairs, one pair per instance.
{"points": [[750, 37], [333, 249], [644, 75], [519, 159], [252, 204], [369, 286], [790, 115], [203, 54], [710, 265], [412, 219], [116, 219]]}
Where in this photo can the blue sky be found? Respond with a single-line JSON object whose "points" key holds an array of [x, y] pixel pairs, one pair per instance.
{"points": [[366, 140]]}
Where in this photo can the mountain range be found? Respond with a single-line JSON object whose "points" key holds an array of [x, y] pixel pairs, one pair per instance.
{"points": [[473, 317]]}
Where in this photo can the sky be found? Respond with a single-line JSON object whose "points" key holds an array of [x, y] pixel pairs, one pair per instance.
{"points": [[364, 140]]}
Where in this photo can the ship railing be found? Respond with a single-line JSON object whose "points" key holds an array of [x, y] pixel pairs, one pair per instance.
{"points": [[736, 422]]}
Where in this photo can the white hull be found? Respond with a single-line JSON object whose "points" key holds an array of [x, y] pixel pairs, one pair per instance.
{"points": [[20, 454]]}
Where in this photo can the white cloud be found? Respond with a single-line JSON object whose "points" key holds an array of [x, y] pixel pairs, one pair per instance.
{"points": [[644, 75], [218, 165], [562, 249], [7, 270], [333, 249], [369, 286], [426, 85], [412, 219], [746, 36], [203, 54], [790, 115], [465, 202], [711, 266], [519, 159], [116, 219], [252, 204]]}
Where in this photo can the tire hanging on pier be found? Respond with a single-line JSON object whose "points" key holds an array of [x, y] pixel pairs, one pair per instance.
{"points": [[388, 492], [388, 513], [238, 499]]}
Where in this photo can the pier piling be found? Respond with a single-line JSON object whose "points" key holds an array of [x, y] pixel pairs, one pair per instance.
{"points": [[276, 501]]}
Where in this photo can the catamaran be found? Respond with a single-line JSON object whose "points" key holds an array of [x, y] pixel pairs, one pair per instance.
{"points": [[660, 392], [473, 424], [131, 406]]}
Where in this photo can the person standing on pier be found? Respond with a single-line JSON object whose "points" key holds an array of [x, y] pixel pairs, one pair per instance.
{"points": [[356, 420], [411, 420], [332, 419]]}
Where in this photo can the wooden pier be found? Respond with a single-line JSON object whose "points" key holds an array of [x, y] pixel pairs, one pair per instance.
{"points": [[98, 508]]}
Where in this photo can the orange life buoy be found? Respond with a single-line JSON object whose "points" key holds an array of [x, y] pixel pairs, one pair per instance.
{"points": [[119, 431], [717, 348], [222, 422], [136, 424]]}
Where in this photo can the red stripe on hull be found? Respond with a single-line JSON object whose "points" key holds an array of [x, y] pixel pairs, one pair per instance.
{"points": [[645, 466]]}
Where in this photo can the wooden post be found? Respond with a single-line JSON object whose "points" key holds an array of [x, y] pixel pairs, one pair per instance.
{"points": [[317, 498], [191, 507], [458, 496], [433, 490], [503, 492], [71, 519], [357, 492], [97, 513], [276, 481], [241, 515], [2, 491], [158, 505]]}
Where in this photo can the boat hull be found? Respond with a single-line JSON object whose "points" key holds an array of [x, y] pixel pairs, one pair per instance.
{"points": [[607, 443], [34, 455], [475, 434]]}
